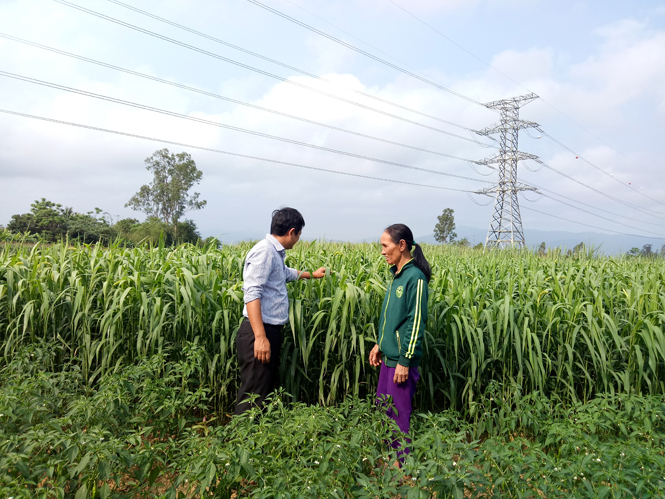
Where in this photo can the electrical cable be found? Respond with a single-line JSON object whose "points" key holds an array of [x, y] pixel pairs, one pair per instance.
{"points": [[595, 207], [471, 163], [534, 200], [229, 127], [511, 79], [597, 167], [587, 225], [363, 52], [260, 71], [630, 205], [455, 43], [528, 132], [476, 202], [274, 61], [353, 36], [217, 96], [219, 151], [541, 131], [599, 216], [533, 170]]}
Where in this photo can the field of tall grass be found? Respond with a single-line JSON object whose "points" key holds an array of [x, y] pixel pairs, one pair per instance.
{"points": [[568, 328]]}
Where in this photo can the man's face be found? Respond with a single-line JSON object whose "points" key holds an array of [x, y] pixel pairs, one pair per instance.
{"points": [[292, 238]]}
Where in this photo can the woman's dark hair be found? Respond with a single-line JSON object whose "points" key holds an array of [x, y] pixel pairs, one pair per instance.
{"points": [[397, 232], [285, 219]]}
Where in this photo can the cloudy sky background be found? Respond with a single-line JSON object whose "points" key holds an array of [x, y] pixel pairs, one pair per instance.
{"points": [[598, 65]]}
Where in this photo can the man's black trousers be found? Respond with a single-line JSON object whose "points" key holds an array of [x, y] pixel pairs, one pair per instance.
{"points": [[255, 376]]}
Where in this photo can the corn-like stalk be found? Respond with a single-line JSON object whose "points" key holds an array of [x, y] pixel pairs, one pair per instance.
{"points": [[566, 326]]}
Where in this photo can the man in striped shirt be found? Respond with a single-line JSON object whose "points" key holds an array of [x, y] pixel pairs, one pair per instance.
{"points": [[267, 307]]}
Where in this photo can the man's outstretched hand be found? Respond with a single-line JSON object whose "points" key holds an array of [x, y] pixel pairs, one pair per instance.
{"points": [[375, 357], [319, 273]]}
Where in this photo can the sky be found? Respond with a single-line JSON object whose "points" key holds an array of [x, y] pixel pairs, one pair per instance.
{"points": [[597, 66]]}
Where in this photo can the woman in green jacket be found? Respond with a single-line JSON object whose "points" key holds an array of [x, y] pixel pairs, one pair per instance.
{"points": [[401, 325]]}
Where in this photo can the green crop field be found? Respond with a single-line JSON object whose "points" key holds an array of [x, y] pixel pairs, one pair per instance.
{"points": [[540, 375]]}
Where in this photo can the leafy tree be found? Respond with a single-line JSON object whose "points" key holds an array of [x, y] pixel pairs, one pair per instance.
{"points": [[444, 230], [579, 248], [634, 252], [124, 227], [213, 242], [69, 212], [45, 218], [647, 250], [168, 197], [154, 229], [91, 227], [662, 251], [188, 232], [151, 231], [479, 246], [52, 222], [22, 224], [464, 242], [542, 249]]}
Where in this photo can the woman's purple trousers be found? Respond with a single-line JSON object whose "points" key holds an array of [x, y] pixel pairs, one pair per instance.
{"points": [[402, 396]]}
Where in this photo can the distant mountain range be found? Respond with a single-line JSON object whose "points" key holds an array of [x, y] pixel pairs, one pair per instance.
{"points": [[607, 243]]}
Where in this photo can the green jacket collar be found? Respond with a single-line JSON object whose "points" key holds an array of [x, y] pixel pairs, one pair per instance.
{"points": [[397, 273]]}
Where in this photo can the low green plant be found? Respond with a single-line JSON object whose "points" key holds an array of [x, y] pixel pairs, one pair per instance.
{"points": [[147, 430]]}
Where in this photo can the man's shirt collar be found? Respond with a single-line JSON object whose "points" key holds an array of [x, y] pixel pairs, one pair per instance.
{"points": [[278, 246]]}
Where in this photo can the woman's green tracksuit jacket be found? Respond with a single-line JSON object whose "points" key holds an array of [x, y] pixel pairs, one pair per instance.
{"points": [[403, 317]]}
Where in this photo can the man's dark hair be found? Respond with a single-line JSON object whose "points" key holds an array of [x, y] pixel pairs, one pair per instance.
{"points": [[285, 219]]}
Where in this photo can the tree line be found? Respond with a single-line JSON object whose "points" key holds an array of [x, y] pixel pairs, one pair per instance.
{"points": [[164, 202]]}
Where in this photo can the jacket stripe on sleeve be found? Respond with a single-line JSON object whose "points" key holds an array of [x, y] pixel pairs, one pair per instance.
{"points": [[416, 320]]}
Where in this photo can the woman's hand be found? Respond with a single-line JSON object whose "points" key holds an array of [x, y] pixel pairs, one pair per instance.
{"points": [[401, 374], [375, 356]]}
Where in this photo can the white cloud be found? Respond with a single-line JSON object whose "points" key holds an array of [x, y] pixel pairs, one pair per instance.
{"points": [[86, 169]]}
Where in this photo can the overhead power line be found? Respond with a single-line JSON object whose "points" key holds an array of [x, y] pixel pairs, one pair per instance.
{"points": [[595, 207], [457, 44], [588, 225], [221, 97], [229, 127], [265, 73], [279, 162], [511, 79], [607, 174], [219, 151], [287, 66], [654, 214], [353, 36], [596, 215], [363, 52]]}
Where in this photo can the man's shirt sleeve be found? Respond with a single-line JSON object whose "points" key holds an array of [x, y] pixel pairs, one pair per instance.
{"points": [[291, 274], [257, 270]]}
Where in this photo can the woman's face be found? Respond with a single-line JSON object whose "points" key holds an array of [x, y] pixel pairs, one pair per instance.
{"points": [[390, 251]]}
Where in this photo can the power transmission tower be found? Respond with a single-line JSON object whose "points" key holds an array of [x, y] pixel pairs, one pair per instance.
{"points": [[506, 226]]}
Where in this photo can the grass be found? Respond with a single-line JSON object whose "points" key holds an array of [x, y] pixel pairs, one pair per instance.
{"points": [[541, 377], [569, 327]]}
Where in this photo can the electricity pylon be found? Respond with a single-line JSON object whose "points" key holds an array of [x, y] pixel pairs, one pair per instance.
{"points": [[506, 226]]}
